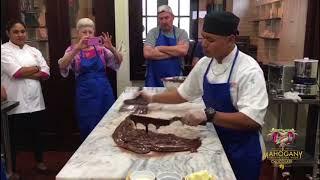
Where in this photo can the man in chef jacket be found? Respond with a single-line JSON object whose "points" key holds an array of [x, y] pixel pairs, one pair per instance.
{"points": [[164, 49], [233, 88]]}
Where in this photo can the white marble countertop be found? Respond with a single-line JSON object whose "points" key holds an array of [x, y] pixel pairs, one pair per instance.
{"points": [[98, 157]]}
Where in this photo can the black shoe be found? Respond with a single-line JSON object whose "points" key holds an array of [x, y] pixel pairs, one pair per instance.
{"points": [[42, 167], [14, 176]]}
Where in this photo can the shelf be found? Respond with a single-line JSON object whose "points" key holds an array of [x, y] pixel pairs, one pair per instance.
{"points": [[266, 19], [281, 100], [30, 11], [28, 26], [265, 2], [270, 38], [37, 40]]}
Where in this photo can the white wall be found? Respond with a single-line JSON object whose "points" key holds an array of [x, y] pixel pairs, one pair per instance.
{"points": [[243, 10], [122, 35], [291, 44]]}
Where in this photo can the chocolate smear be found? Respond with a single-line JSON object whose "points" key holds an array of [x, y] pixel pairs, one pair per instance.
{"points": [[139, 141], [136, 101]]}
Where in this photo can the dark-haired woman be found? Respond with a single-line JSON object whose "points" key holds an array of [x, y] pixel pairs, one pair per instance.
{"points": [[22, 68]]}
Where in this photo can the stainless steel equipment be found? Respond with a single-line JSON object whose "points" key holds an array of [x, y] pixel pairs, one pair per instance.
{"points": [[305, 80], [306, 71], [280, 76], [306, 68], [306, 90], [173, 82]]}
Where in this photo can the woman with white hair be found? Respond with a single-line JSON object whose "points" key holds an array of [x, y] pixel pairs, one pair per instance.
{"points": [[94, 94]]}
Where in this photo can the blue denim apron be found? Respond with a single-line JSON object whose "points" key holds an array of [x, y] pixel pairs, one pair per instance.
{"points": [[94, 94], [157, 69], [242, 147]]}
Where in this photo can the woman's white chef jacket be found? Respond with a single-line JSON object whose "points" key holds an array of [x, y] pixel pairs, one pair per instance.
{"points": [[248, 89], [27, 91]]}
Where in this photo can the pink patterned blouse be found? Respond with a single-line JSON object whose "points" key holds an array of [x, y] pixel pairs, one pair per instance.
{"points": [[107, 57]]}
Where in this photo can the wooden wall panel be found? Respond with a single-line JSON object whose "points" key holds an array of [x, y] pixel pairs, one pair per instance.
{"points": [[137, 68], [8, 11], [104, 17], [58, 92]]}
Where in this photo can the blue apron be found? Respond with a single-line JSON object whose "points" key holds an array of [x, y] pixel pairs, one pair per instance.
{"points": [[157, 69], [242, 147], [3, 171], [94, 94]]}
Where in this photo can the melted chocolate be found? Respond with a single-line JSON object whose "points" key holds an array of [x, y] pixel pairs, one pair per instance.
{"points": [[142, 142], [175, 79], [141, 109], [140, 105], [155, 121], [136, 101]]}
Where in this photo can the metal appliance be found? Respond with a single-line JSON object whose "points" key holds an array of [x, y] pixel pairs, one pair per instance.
{"points": [[280, 77], [306, 71], [305, 80], [306, 90]]}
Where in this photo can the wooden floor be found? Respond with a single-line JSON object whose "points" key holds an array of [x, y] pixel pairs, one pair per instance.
{"points": [[56, 160]]}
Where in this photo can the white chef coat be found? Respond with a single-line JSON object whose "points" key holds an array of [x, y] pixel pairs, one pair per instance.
{"points": [[248, 88], [26, 91]]}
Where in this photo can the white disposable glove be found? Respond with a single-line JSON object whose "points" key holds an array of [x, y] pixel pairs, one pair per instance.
{"points": [[146, 96], [156, 106], [294, 96], [194, 117]]}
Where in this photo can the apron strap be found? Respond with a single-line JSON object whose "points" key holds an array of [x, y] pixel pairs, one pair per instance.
{"points": [[81, 54], [205, 74], [174, 33], [234, 60], [95, 49]]}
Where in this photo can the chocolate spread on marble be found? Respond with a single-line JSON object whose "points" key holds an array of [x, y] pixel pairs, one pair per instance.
{"points": [[175, 79], [139, 141], [136, 101], [140, 105]]}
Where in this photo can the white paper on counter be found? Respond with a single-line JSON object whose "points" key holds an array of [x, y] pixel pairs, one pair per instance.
{"points": [[167, 111]]}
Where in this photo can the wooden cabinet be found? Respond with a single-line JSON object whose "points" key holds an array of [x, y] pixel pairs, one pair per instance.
{"points": [[269, 15], [281, 27], [267, 23]]}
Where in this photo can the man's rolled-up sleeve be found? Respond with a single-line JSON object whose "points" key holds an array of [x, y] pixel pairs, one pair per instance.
{"points": [[183, 37], [151, 38], [191, 88], [252, 95]]}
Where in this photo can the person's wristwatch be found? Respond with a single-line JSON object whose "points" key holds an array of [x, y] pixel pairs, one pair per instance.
{"points": [[210, 112], [38, 68]]}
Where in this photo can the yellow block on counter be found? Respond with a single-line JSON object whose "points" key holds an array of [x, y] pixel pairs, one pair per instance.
{"points": [[200, 175]]}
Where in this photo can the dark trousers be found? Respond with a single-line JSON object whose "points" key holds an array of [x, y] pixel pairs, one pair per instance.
{"points": [[25, 129]]}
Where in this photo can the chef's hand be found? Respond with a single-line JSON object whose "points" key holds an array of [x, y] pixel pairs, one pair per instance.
{"points": [[194, 117], [146, 96]]}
